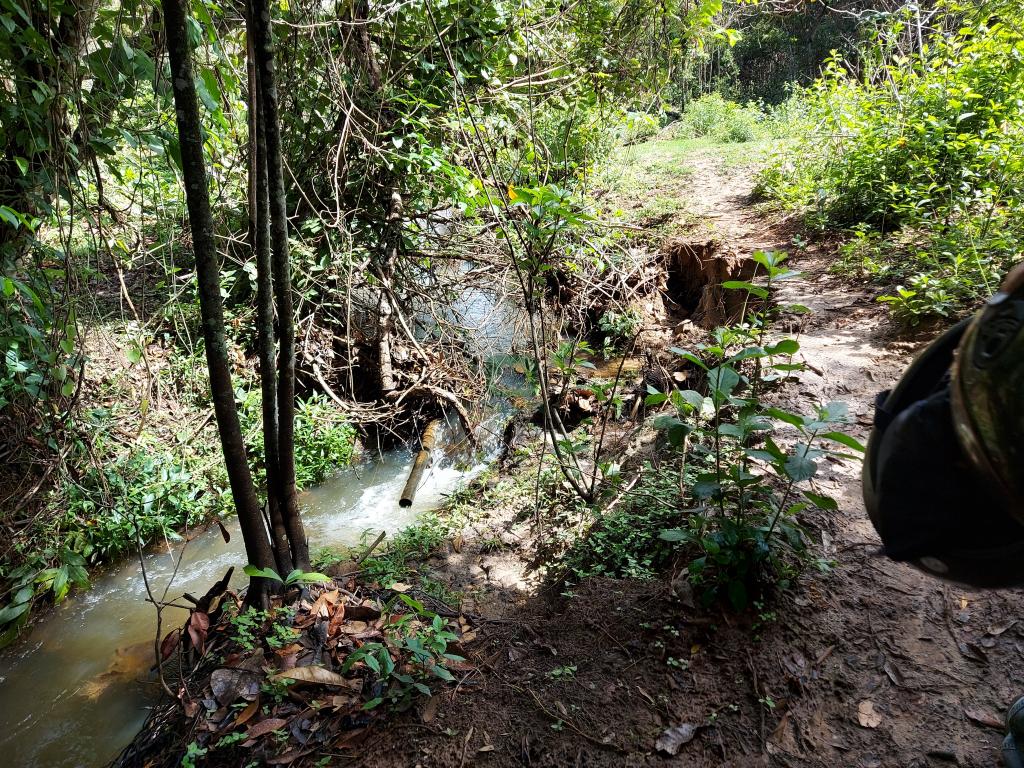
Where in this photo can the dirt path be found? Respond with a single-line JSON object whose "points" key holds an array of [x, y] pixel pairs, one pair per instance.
{"points": [[870, 664]]}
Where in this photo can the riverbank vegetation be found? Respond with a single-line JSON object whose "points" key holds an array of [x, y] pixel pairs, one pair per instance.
{"points": [[245, 246]]}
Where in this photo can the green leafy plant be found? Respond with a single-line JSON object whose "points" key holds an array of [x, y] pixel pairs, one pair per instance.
{"points": [[297, 576], [415, 655], [618, 328], [922, 155], [729, 504]]}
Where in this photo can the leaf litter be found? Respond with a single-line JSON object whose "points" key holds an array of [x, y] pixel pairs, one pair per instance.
{"points": [[280, 701]]}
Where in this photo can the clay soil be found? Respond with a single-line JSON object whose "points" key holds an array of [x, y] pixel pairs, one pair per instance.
{"points": [[866, 664]]}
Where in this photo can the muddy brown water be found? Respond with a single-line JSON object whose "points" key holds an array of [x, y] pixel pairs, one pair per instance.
{"points": [[76, 691]]}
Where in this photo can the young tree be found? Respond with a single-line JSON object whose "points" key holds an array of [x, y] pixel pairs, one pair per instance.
{"points": [[268, 129], [254, 533]]}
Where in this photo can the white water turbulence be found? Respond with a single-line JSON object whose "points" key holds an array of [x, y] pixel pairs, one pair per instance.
{"points": [[76, 691]]}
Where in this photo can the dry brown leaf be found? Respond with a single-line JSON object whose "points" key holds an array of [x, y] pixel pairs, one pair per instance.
{"points": [[672, 739], [263, 727], [288, 757], [998, 629], [984, 717], [230, 685], [429, 710], [343, 701], [311, 674], [362, 612], [247, 713], [867, 716], [170, 643], [894, 674]]}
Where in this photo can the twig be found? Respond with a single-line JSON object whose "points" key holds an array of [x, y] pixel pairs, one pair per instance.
{"points": [[369, 550], [578, 731]]}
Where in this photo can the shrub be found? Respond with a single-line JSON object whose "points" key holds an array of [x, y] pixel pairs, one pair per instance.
{"points": [[324, 438], [927, 151], [729, 506], [715, 118]]}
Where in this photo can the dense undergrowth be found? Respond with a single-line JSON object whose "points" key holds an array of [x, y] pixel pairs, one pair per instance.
{"points": [[919, 154], [721, 497]]}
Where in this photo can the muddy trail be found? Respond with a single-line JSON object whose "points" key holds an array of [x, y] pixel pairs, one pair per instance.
{"points": [[867, 664]]}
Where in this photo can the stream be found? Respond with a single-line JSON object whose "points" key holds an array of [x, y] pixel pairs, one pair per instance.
{"points": [[76, 690]]}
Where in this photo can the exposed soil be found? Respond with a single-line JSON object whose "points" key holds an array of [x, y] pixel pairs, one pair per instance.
{"points": [[870, 664]]}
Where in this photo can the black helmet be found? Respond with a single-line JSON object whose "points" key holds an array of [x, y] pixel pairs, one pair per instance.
{"points": [[944, 470]]}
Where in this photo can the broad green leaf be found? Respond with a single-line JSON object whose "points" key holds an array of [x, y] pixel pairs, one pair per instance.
{"points": [[844, 439], [675, 534], [822, 502], [261, 573], [784, 347], [742, 285]]}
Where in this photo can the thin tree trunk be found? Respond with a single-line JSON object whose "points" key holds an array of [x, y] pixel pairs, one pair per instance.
{"points": [[259, 220], [254, 533], [266, 78]]}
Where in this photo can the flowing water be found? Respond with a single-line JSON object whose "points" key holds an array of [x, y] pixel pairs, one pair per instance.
{"points": [[75, 691]]}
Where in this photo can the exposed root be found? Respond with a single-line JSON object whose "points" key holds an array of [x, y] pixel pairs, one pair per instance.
{"points": [[694, 274]]}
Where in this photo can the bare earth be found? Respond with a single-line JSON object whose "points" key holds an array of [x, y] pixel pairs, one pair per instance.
{"points": [[871, 664]]}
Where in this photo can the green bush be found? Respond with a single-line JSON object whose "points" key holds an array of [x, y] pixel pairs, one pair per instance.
{"points": [[626, 543], [927, 151], [324, 438], [713, 117]]}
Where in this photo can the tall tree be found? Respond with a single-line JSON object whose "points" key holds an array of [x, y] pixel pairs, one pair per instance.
{"points": [[259, 227], [254, 533], [268, 117]]}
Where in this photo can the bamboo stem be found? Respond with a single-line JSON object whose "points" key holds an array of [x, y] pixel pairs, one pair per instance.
{"points": [[419, 466]]}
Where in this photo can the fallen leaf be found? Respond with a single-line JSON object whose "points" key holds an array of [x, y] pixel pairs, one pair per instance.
{"points": [[973, 651], [998, 629], [894, 674], [429, 710], [672, 740], [343, 701], [287, 757], [398, 586], [230, 685], [867, 716], [198, 624], [248, 712], [362, 612], [984, 717], [170, 643], [263, 727], [319, 675], [486, 748]]}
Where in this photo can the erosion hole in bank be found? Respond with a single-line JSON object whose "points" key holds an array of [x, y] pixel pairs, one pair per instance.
{"points": [[694, 273]]}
